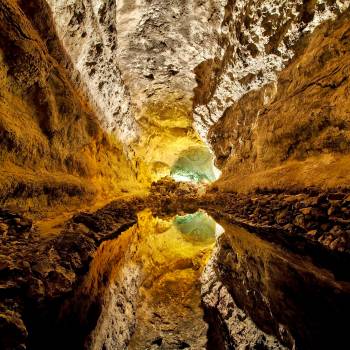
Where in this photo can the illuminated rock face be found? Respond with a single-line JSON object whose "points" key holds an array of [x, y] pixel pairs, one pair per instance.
{"points": [[161, 73], [195, 164], [295, 132], [157, 74], [145, 48], [148, 284], [53, 149], [256, 40], [135, 61]]}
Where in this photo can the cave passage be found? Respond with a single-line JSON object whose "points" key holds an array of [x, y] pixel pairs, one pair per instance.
{"points": [[147, 283], [118, 231], [157, 286], [195, 164], [169, 313]]}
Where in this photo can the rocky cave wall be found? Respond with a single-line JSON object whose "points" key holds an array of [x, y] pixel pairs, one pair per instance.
{"points": [[136, 62], [294, 132], [159, 79], [162, 73], [288, 129], [264, 76], [53, 148], [255, 41]]}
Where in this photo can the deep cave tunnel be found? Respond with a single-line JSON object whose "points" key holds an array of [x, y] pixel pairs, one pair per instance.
{"points": [[174, 174], [195, 164]]}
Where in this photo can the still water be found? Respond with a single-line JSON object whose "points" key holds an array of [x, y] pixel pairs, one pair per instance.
{"points": [[148, 284]]}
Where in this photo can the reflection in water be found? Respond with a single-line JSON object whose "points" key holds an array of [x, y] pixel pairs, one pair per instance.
{"points": [[285, 294], [144, 288], [198, 227], [174, 253]]}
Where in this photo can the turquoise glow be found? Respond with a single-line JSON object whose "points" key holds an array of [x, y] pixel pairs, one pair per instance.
{"points": [[198, 227], [195, 164]]}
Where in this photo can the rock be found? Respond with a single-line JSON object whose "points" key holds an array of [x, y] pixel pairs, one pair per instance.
{"points": [[5, 263], [347, 199], [312, 233], [337, 244], [306, 211], [81, 229], [36, 289], [331, 210], [281, 217], [59, 282], [300, 221], [288, 227], [258, 141], [3, 230], [13, 331]]}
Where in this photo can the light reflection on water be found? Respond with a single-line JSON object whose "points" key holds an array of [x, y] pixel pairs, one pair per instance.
{"points": [[198, 227]]}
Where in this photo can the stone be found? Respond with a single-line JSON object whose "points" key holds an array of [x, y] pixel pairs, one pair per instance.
{"points": [[13, 331], [312, 233], [3, 229], [300, 221], [36, 289], [306, 211], [347, 199]]}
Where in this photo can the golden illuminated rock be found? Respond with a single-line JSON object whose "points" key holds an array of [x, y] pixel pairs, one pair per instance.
{"points": [[53, 149], [136, 103], [294, 133]]}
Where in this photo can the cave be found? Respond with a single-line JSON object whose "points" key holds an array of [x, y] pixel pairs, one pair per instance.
{"points": [[174, 174], [195, 164]]}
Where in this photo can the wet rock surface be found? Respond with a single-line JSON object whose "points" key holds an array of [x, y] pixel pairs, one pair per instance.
{"points": [[37, 274], [93, 281], [317, 216], [251, 286]]}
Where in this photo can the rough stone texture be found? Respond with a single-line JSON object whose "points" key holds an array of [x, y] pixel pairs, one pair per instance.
{"points": [[256, 40], [295, 132], [89, 33], [52, 147], [148, 48], [135, 61], [157, 46], [318, 217], [37, 275], [144, 67], [284, 294], [162, 72]]}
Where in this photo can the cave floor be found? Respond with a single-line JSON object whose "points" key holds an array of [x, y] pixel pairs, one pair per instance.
{"points": [[163, 274], [174, 252]]}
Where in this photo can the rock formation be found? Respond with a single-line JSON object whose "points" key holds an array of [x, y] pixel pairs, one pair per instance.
{"points": [[52, 146], [293, 132], [135, 101]]}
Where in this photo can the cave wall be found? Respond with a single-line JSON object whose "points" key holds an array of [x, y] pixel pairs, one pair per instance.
{"points": [[162, 73], [53, 148], [136, 62], [293, 132], [157, 76], [256, 40]]}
